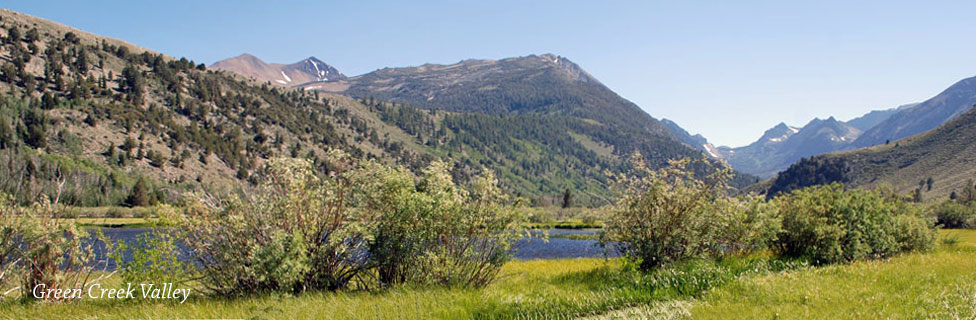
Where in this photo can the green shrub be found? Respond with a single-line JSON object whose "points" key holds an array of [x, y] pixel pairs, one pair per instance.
{"points": [[38, 249], [364, 221], [154, 258], [115, 212], [436, 232], [914, 234], [746, 224], [827, 224], [295, 234], [11, 225], [953, 215], [668, 215]]}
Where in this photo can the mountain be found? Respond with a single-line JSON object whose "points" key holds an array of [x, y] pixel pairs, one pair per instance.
{"points": [[104, 115], [541, 84], [945, 155], [877, 127], [783, 145], [955, 100], [544, 86], [308, 70], [875, 117], [696, 141]]}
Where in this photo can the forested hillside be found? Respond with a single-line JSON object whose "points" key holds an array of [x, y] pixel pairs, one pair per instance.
{"points": [[144, 127], [94, 111]]}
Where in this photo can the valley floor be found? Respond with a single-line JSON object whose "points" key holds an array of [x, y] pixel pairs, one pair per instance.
{"points": [[939, 285]]}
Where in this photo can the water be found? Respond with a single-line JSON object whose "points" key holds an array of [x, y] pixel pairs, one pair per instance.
{"points": [[558, 248], [524, 249]]}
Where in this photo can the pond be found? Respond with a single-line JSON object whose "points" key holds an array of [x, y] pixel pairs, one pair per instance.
{"points": [[555, 247]]}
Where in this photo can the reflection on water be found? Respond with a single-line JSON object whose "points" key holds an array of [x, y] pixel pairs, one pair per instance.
{"points": [[527, 248]]}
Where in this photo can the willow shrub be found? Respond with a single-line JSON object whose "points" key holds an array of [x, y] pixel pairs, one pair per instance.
{"points": [[954, 215], [364, 223], [39, 250], [295, 233], [668, 215], [828, 224], [434, 231], [153, 256]]}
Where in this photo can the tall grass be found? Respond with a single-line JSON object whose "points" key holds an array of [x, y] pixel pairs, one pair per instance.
{"points": [[938, 285], [525, 289]]}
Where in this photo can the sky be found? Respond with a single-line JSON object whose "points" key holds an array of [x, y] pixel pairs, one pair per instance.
{"points": [[728, 70]]}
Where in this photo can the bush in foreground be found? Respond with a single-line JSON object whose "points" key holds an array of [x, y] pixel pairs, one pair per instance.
{"points": [[828, 224], [38, 250], [295, 234], [436, 232], [668, 215], [362, 224]]}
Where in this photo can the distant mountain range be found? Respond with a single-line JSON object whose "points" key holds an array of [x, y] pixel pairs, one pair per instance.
{"points": [[945, 155], [783, 145], [308, 70], [953, 101]]}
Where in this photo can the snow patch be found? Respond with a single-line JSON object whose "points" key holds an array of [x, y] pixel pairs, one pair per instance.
{"points": [[711, 152], [286, 76], [795, 130], [281, 82], [320, 73]]}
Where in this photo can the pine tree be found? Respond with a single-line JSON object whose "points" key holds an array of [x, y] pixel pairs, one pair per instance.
{"points": [[567, 199], [133, 84], [6, 134], [13, 35], [139, 196]]}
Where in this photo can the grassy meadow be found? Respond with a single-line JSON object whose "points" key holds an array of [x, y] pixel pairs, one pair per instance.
{"points": [[940, 284]]}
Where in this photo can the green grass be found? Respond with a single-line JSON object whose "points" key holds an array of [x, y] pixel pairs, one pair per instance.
{"points": [[937, 285], [940, 284], [533, 289]]}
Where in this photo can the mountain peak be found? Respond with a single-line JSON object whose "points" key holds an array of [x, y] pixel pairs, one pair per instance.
{"points": [[307, 70]]}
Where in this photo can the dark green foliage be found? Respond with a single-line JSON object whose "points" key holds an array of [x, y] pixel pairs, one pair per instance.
{"points": [[32, 35], [953, 215], [139, 196], [133, 84], [35, 134], [71, 37], [6, 134], [827, 224], [818, 170], [968, 194], [567, 199], [13, 35]]}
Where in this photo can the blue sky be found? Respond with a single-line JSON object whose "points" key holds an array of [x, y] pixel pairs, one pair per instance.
{"points": [[726, 69]]}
